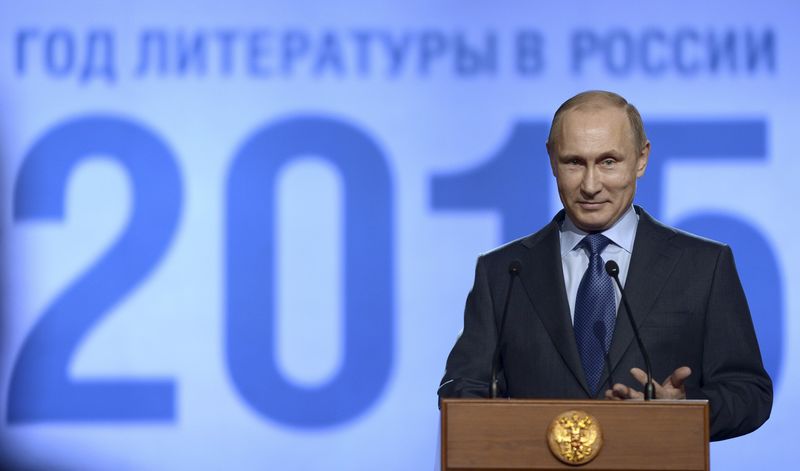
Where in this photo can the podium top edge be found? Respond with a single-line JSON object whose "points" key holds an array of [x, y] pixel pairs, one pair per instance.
{"points": [[573, 402]]}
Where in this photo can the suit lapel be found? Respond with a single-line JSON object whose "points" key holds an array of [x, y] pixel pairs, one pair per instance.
{"points": [[652, 261], [543, 280]]}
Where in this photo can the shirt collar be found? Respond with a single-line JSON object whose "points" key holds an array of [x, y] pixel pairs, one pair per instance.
{"points": [[622, 233]]}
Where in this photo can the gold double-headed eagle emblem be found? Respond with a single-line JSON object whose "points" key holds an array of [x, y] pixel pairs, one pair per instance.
{"points": [[575, 437]]}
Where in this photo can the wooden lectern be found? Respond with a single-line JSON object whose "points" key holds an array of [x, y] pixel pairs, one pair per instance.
{"points": [[489, 434]]}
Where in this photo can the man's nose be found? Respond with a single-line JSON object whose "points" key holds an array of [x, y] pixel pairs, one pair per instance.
{"points": [[590, 183]]}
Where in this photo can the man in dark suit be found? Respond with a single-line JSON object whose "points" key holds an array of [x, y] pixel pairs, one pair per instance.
{"points": [[563, 336]]}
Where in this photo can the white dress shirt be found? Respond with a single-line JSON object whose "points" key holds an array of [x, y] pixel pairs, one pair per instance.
{"points": [[575, 260]]}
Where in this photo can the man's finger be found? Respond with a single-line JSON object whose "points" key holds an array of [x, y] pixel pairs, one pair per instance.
{"points": [[678, 376], [639, 375], [624, 392], [621, 391]]}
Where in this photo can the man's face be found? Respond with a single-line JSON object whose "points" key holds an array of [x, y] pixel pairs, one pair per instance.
{"points": [[596, 164]]}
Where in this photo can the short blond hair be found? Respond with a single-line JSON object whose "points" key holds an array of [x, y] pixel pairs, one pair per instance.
{"points": [[599, 98]]}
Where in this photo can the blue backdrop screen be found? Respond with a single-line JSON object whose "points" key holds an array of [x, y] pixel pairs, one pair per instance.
{"points": [[239, 235]]}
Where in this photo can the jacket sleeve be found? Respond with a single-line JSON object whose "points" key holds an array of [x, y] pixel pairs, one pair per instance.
{"points": [[469, 365], [733, 380]]}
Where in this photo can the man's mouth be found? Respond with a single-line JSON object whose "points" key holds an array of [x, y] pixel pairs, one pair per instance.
{"points": [[590, 204]]}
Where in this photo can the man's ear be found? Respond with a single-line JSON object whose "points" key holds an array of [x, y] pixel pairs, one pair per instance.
{"points": [[642, 159], [551, 155]]}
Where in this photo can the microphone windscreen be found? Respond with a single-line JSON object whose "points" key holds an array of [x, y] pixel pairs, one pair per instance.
{"points": [[612, 268]]}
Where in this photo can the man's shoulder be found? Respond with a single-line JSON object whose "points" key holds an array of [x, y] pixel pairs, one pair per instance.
{"points": [[545, 238], [651, 227]]}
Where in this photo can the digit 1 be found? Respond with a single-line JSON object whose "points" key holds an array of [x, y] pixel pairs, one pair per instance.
{"points": [[513, 182]]}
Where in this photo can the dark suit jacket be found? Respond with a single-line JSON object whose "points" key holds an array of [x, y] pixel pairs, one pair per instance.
{"points": [[686, 299]]}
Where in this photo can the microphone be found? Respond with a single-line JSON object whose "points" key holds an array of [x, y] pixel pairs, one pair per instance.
{"points": [[513, 271], [649, 390]]}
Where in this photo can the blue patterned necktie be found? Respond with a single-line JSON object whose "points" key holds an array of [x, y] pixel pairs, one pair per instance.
{"points": [[595, 312]]}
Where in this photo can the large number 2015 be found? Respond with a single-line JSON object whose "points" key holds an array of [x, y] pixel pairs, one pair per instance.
{"points": [[511, 182]]}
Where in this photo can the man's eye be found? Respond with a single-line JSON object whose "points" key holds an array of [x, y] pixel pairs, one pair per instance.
{"points": [[609, 162]]}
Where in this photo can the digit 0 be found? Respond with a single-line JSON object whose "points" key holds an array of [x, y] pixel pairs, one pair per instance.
{"points": [[250, 272]]}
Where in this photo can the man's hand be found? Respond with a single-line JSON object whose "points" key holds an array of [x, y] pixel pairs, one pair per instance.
{"points": [[671, 388]]}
